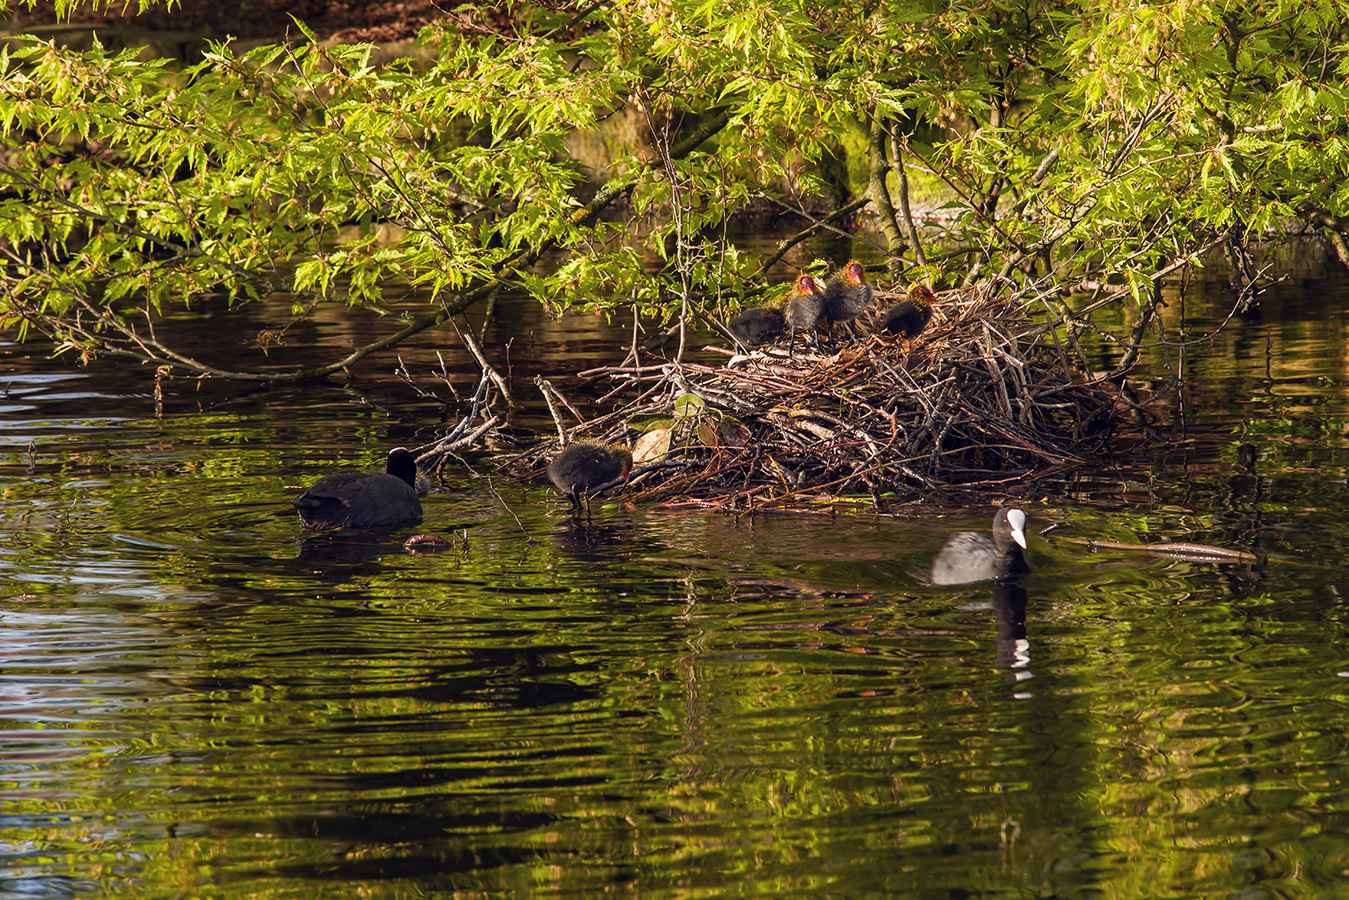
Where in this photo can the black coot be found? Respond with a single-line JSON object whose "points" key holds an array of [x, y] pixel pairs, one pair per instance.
{"points": [[364, 499], [583, 466], [973, 556]]}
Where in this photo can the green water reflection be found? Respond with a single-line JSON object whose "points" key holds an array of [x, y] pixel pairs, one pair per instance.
{"points": [[662, 705], [659, 703]]}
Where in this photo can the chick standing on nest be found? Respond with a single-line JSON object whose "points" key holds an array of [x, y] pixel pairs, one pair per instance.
{"points": [[758, 325], [804, 305], [910, 316], [845, 296], [583, 466]]}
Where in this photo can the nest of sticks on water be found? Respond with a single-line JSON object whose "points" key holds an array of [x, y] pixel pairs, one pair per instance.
{"points": [[979, 401]]}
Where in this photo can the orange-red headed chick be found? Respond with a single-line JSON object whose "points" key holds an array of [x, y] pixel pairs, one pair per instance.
{"points": [[805, 306], [846, 295]]}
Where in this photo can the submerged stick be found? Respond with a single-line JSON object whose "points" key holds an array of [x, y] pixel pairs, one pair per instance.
{"points": [[1195, 552]]}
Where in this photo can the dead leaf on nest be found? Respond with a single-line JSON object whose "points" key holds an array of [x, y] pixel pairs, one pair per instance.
{"points": [[652, 446]]}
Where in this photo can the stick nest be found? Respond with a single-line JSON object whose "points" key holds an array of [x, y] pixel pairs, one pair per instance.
{"points": [[980, 400]]}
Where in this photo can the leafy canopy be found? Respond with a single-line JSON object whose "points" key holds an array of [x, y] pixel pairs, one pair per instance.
{"points": [[1067, 147]]}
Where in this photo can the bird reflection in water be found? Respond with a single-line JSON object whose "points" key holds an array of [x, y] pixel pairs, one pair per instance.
{"points": [[585, 540], [334, 559], [1009, 605]]}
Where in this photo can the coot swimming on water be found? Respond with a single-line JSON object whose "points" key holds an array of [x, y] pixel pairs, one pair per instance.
{"points": [[364, 499], [974, 556]]}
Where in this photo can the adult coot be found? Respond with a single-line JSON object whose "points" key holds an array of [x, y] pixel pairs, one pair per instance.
{"points": [[845, 296], [972, 556], [583, 466], [364, 499], [804, 305], [910, 316]]}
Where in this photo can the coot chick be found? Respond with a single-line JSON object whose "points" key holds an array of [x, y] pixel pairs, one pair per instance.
{"points": [[758, 325], [364, 499], [910, 316], [583, 466], [845, 296], [804, 305], [973, 556]]}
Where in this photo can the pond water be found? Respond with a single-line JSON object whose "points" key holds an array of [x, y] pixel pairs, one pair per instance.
{"points": [[658, 703]]}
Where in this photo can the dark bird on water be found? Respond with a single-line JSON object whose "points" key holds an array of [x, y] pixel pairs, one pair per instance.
{"points": [[758, 325], [804, 305], [973, 556], [364, 499], [845, 296], [584, 466], [910, 316]]}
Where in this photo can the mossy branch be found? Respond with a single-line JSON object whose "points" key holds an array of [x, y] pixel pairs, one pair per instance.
{"points": [[879, 192]]}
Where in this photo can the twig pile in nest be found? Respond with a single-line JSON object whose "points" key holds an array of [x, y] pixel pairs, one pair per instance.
{"points": [[980, 399]]}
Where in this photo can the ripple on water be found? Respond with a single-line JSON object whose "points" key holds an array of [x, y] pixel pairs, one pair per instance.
{"points": [[195, 700]]}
